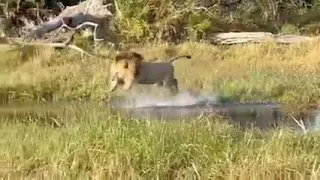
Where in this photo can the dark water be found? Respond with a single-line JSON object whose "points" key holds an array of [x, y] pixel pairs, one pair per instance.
{"points": [[252, 114], [261, 115]]}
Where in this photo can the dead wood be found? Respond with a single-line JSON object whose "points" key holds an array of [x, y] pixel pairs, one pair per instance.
{"points": [[59, 31], [91, 13], [19, 18], [66, 44], [254, 37]]}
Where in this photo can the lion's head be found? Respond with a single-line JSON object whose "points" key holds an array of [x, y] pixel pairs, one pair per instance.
{"points": [[124, 69]]}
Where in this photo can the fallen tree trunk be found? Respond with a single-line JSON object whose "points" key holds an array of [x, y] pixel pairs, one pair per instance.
{"points": [[76, 21], [89, 13], [254, 37], [58, 32]]}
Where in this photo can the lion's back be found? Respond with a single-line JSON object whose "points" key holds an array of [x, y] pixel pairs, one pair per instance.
{"points": [[154, 71]]}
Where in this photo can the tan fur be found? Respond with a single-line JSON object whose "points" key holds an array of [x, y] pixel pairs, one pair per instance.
{"points": [[131, 60], [129, 67]]}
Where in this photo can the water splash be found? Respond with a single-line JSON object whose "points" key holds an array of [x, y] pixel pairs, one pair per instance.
{"points": [[187, 98], [182, 99]]}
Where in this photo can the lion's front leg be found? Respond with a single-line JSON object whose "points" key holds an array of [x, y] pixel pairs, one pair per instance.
{"points": [[113, 86], [128, 82]]}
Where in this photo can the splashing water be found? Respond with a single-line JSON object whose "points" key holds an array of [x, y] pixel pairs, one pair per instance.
{"points": [[181, 99], [186, 98]]}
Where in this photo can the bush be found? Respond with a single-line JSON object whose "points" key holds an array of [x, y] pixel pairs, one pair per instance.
{"points": [[175, 21]]}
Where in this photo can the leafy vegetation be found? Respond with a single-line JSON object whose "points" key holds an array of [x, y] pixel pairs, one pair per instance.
{"points": [[176, 21]]}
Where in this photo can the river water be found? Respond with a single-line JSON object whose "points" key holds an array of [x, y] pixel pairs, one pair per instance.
{"points": [[182, 107], [187, 106]]}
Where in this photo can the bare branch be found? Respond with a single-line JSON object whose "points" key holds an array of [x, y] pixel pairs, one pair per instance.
{"points": [[88, 23], [76, 21], [70, 39], [254, 37], [61, 45], [61, 6], [107, 5], [92, 13]]}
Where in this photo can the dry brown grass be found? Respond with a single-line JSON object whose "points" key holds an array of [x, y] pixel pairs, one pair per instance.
{"points": [[288, 74]]}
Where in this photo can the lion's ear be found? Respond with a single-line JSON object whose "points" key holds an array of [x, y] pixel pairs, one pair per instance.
{"points": [[121, 56], [138, 56], [117, 58]]}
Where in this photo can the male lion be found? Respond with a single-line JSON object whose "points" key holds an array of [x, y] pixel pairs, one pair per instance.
{"points": [[136, 71], [131, 61]]}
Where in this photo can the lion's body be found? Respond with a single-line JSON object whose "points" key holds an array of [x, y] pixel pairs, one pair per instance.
{"points": [[152, 73], [161, 74]]}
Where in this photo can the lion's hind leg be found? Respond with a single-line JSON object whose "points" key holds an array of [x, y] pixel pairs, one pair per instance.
{"points": [[172, 85]]}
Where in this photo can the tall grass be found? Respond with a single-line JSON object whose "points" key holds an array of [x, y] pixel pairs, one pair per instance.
{"points": [[97, 143], [260, 72]]}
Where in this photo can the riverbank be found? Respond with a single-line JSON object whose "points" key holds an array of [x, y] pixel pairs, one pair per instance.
{"points": [[253, 72]]}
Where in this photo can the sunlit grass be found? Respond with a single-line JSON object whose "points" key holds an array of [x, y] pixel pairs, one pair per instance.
{"points": [[261, 72], [84, 140], [94, 142]]}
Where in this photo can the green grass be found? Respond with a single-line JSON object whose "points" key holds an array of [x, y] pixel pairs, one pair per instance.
{"points": [[83, 140], [95, 142], [259, 72]]}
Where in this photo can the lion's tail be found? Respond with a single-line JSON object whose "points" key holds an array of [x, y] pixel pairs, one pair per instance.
{"points": [[172, 59]]}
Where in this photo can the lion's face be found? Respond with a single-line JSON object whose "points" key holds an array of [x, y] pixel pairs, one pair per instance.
{"points": [[120, 72], [124, 69]]}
